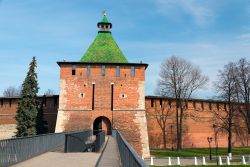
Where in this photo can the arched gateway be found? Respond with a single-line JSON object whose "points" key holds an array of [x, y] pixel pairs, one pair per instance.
{"points": [[104, 83], [102, 124]]}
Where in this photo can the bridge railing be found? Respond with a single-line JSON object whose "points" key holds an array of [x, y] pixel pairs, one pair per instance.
{"points": [[77, 142], [19, 149], [128, 155], [100, 139]]}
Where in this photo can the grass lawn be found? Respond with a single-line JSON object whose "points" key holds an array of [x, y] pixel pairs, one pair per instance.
{"points": [[198, 152], [207, 165]]}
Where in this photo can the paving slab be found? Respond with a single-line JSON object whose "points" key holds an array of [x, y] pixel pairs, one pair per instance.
{"points": [[111, 155], [59, 159]]}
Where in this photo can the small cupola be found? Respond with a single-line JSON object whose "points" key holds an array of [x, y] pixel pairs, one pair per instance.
{"points": [[104, 25]]}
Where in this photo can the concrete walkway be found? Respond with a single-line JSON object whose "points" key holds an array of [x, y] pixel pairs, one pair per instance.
{"points": [[59, 159], [110, 158], [111, 155]]}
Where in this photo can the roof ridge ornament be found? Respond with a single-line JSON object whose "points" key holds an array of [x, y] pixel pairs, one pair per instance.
{"points": [[104, 13], [104, 25]]}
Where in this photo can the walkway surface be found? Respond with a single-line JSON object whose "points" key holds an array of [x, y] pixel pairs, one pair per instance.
{"points": [[59, 159], [111, 155], [108, 157]]}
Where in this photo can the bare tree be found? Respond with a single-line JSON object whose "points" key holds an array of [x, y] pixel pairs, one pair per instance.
{"points": [[11, 91], [179, 79], [49, 92], [226, 87], [243, 88], [162, 114]]}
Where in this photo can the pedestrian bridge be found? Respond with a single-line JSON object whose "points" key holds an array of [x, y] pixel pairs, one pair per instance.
{"points": [[69, 149]]}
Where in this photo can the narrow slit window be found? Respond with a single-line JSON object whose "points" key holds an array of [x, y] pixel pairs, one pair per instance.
{"points": [[225, 107], [218, 106], [103, 70], [132, 72], [152, 102], [88, 70], [186, 104], [170, 103], [160, 103], [112, 97], [117, 71], [10, 102], [55, 101], [45, 101], [177, 103], [194, 105], [93, 96], [2, 103], [73, 69], [210, 106]]}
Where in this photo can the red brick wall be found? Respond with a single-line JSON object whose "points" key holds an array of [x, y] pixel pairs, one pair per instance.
{"points": [[75, 110], [8, 107], [195, 131], [197, 126], [76, 85]]}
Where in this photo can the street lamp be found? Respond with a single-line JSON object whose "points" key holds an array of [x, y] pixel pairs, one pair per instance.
{"points": [[172, 137], [216, 142], [210, 139]]}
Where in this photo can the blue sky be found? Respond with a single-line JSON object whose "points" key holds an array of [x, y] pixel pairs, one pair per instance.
{"points": [[208, 33]]}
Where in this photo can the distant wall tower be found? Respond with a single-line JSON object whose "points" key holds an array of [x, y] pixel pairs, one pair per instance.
{"points": [[104, 91]]}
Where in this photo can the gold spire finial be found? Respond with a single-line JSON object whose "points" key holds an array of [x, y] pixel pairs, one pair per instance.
{"points": [[104, 13]]}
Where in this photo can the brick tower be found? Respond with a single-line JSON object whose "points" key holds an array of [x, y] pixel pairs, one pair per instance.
{"points": [[104, 91]]}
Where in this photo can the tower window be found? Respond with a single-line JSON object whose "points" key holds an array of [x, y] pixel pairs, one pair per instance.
{"points": [[186, 104], [103, 70], [112, 97], [152, 102], [170, 103], [1, 102], [117, 71], [55, 101], [45, 101], [160, 103], [218, 106], [225, 107], [88, 70], [210, 106], [132, 72], [73, 69], [93, 96], [194, 105]]}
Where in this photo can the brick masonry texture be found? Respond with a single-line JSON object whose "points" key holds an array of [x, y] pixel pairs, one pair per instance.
{"points": [[8, 107], [195, 134], [75, 110], [128, 116], [197, 125]]}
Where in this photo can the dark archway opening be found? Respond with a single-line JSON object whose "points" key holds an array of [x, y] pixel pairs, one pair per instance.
{"points": [[102, 124]]}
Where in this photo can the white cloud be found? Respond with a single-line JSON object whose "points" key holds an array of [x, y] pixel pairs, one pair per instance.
{"points": [[200, 11]]}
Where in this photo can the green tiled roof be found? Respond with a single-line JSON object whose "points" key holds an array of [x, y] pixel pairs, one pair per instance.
{"points": [[104, 20], [104, 49]]}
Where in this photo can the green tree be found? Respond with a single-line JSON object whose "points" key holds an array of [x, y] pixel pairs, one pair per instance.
{"points": [[28, 104], [41, 124]]}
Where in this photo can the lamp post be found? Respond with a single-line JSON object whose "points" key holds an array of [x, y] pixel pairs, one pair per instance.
{"points": [[172, 137], [216, 142], [210, 139]]}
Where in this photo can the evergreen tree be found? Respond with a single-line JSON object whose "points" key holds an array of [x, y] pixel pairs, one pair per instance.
{"points": [[28, 104], [41, 124]]}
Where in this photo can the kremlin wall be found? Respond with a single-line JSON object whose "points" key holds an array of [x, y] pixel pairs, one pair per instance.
{"points": [[195, 135], [103, 91]]}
